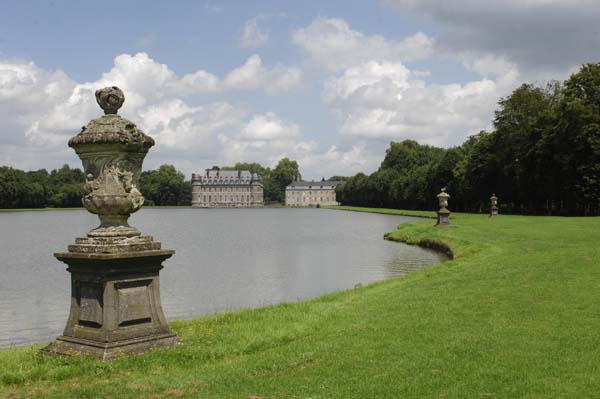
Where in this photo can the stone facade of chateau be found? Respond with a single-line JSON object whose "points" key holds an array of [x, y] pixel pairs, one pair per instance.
{"points": [[224, 188], [311, 193]]}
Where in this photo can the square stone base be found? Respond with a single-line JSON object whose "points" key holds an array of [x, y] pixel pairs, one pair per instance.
{"points": [[443, 218], [115, 305], [70, 346]]}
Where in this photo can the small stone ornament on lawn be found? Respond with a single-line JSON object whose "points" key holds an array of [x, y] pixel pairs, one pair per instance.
{"points": [[443, 213], [115, 291], [493, 205]]}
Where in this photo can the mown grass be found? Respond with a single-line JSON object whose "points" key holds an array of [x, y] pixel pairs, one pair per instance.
{"points": [[385, 211], [516, 314]]}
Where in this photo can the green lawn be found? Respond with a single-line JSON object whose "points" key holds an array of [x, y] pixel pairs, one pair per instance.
{"points": [[516, 314]]}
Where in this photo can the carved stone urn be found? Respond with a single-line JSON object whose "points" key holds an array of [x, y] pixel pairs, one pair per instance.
{"points": [[493, 205], [112, 150], [115, 290], [443, 213]]}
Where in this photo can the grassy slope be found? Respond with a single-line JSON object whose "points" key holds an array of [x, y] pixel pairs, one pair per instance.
{"points": [[515, 314], [385, 211]]}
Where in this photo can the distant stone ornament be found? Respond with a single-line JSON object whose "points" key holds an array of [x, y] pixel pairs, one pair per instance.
{"points": [[493, 205], [443, 213], [115, 295]]}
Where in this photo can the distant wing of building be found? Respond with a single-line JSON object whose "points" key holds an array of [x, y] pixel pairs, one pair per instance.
{"points": [[311, 193], [226, 188]]}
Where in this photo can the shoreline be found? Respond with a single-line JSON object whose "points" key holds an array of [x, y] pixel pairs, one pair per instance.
{"points": [[494, 321]]}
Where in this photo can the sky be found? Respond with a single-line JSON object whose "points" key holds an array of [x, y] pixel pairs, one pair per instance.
{"points": [[327, 83]]}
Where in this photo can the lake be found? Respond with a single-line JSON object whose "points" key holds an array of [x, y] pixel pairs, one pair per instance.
{"points": [[225, 259]]}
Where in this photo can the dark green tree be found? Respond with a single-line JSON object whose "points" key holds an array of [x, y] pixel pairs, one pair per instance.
{"points": [[66, 187], [280, 177], [165, 186]]}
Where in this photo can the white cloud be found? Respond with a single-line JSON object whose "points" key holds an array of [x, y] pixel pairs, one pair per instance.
{"points": [[197, 82], [383, 101], [332, 43], [253, 74], [264, 137], [175, 124], [267, 127], [41, 110], [374, 82], [247, 76], [27, 95], [252, 36], [358, 157], [31, 92], [282, 79]]}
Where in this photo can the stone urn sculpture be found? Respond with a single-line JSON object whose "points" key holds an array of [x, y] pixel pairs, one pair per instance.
{"points": [[112, 150], [115, 291], [493, 205], [443, 213]]}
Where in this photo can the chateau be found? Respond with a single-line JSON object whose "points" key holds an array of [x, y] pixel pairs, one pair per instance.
{"points": [[226, 188], [311, 193]]}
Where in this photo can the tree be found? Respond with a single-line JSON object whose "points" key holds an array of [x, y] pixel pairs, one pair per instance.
{"points": [[165, 186], [280, 177], [338, 178], [66, 187], [574, 142], [252, 167]]}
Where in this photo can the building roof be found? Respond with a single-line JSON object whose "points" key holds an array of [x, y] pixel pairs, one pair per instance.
{"points": [[313, 184], [216, 176]]}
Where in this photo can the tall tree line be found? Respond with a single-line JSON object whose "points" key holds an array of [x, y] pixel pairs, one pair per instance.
{"points": [[543, 157], [164, 186], [39, 189], [63, 187]]}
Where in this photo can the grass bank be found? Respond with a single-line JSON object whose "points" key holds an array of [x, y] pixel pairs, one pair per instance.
{"points": [[516, 314], [385, 211]]}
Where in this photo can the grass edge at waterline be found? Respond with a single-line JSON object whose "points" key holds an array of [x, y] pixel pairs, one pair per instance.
{"points": [[515, 314]]}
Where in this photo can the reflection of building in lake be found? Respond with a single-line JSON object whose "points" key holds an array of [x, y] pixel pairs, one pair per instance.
{"points": [[226, 188], [309, 193]]}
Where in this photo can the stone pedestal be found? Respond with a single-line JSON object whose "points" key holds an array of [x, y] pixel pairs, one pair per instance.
{"points": [[443, 217], [115, 290], [493, 205], [115, 304], [443, 214]]}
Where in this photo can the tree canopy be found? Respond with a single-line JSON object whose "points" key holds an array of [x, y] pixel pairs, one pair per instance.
{"points": [[543, 157], [165, 186]]}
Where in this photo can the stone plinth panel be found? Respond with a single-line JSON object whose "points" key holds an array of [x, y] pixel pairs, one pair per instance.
{"points": [[443, 217], [115, 305]]}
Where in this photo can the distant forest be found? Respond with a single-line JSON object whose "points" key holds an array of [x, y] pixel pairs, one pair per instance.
{"points": [[543, 157], [63, 188]]}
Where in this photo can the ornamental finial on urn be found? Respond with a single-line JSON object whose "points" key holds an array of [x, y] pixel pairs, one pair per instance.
{"points": [[110, 99]]}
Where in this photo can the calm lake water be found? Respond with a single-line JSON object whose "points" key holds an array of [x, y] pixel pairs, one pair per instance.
{"points": [[225, 259]]}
